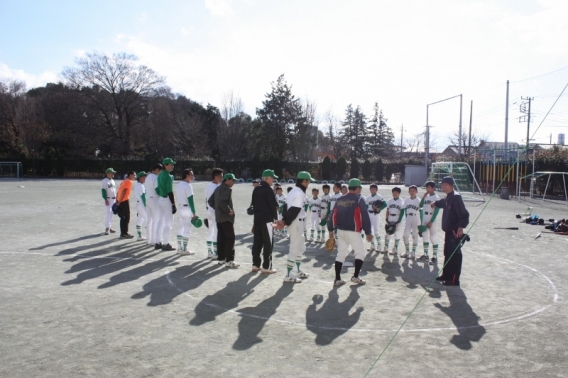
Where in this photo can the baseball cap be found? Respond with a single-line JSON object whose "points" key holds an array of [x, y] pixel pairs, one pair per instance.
{"points": [[140, 174], [110, 170], [168, 161], [269, 173], [229, 176], [197, 222], [448, 180], [354, 183], [303, 175]]}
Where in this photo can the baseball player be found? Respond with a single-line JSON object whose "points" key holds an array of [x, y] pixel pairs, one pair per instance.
{"points": [[140, 194], [294, 217], [428, 217], [395, 213], [333, 199], [281, 200], [186, 203], [412, 211], [166, 203], [217, 176], [306, 209], [315, 208], [325, 203], [152, 209], [344, 190], [108, 191], [375, 203], [349, 216]]}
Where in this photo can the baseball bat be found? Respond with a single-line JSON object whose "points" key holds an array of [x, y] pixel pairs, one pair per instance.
{"points": [[505, 228]]}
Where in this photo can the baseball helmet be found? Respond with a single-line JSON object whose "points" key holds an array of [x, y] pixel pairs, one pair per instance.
{"points": [[197, 222], [250, 211], [390, 228], [422, 228], [323, 222]]}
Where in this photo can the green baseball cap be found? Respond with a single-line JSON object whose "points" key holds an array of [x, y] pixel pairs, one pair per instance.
{"points": [[269, 173], [229, 176], [168, 161], [303, 175], [140, 174], [197, 222], [110, 170], [354, 183]]}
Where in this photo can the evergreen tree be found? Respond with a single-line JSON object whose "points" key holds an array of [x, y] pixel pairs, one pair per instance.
{"points": [[379, 170], [354, 131], [380, 137], [341, 167], [354, 168], [367, 170], [326, 168]]}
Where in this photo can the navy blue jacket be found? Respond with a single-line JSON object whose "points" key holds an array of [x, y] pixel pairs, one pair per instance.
{"points": [[350, 214], [455, 214]]}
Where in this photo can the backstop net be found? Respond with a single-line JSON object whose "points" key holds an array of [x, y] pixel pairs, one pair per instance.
{"points": [[463, 176], [11, 169]]}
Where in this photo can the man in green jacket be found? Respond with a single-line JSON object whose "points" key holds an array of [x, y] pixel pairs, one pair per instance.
{"points": [[166, 204], [222, 202]]}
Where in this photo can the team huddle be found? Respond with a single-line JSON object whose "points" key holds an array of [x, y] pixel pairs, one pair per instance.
{"points": [[350, 218]]}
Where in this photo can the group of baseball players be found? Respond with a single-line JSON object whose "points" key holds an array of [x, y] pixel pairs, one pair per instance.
{"points": [[350, 218]]}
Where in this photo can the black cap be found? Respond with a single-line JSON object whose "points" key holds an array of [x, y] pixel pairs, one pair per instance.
{"points": [[448, 180], [430, 183]]}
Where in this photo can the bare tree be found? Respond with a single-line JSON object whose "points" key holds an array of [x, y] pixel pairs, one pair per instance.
{"points": [[333, 134], [232, 129], [118, 89], [467, 149]]}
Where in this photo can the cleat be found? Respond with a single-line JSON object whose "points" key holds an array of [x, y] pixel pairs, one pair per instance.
{"points": [[168, 247], [393, 252], [231, 265], [292, 279], [212, 256], [126, 236], [433, 261], [268, 271], [411, 256], [422, 258], [358, 280], [255, 269], [405, 256], [338, 282], [141, 238], [186, 253], [302, 274], [111, 231], [158, 246], [220, 262]]}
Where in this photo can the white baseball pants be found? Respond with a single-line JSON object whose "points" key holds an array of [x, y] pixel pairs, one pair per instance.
{"points": [[212, 231], [156, 225], [315, 221], [108, 213], [431, 234], [346, 239], [142, 216], [166, 219], [411, 226], [184, 221]]}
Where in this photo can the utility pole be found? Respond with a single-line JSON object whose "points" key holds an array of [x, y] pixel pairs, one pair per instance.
{"points": [[470, 119], [460, 132], [507, 120], [526, 110], [401, 135]]}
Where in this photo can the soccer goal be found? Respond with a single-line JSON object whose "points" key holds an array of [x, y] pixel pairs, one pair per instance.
{"points": [[463, 176], [11, 169]]}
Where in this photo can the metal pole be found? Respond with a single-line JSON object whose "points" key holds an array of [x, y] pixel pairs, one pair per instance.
{"points": [[427, 144], [507, 118], [545, 189], [494, 168], [470, 119], [518, 178], [564, 179], [460, 133], [528, 126], [474, 173]]}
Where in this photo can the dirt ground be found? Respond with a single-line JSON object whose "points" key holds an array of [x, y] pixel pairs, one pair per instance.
{"points": [[75, 302]]}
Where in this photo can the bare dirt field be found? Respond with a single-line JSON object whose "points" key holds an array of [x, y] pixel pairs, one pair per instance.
{"points": [[74, 302]]}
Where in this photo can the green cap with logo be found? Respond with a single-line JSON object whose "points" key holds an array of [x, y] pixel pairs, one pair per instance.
{"points": [[110, 170], [140, 174], [354, 183], [168, 161], [269, 173], [229, 176], [303, 175]]}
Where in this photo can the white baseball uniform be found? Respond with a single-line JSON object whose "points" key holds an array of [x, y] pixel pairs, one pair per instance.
{"points": [[110, 189], [375, 218], [296, 198], [281, 200], [315, 211], [184, 194], [429, 215], [395, 208], [412, 212], [152, 209], [212, 232], [142, 215]]}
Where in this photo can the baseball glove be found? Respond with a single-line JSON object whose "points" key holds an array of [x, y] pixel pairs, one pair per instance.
{"points": [[250, 211], [206, 222], [390, 227], [330, 244]]}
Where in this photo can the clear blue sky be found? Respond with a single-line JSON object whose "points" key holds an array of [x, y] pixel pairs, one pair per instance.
{"points": [[401, 54]]}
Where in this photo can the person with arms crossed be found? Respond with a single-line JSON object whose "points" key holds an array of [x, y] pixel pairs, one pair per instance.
{"points": [[166, 203], [108, 191], [217, 177], [123, 200], [141, 204], [350, 216]]}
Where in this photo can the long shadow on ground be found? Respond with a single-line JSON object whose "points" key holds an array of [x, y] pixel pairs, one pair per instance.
{"points": [[66, 242]]}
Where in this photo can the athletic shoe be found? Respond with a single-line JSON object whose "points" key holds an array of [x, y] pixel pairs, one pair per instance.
{"points": [[338, 282], [126, 236], [292, 279], [141, 238], [433, 261], [255, 269], [405, 256], [107, 232], [221, 262], [393, 252], [232, 265], [422, 258], [212, 256], [186, 253], [111, 231], [268, 271], [158, 246], [302, 274], [168, 247], [358, 280]]}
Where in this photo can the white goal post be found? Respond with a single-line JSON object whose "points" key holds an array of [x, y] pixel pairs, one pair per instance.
{"points": [[11, 169]]}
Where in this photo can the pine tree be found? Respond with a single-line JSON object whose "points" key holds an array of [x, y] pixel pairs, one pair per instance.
{"points": [[354, 131], [380, 137]]}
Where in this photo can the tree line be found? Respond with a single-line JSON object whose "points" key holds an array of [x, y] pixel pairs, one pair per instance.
{"points": [[111, 107]]}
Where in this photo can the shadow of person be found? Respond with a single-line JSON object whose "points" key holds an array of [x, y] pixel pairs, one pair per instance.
{"points": [[70, 241], [225, 299], [74, 250], [164, 289], [463, 317], [253, 319], [390, 268], [332, 319]]}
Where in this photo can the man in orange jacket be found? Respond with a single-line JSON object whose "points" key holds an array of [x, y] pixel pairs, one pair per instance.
{"points": [[122, 198]]}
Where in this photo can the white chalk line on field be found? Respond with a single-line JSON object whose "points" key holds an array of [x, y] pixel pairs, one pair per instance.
{"points": [[495, 322]]}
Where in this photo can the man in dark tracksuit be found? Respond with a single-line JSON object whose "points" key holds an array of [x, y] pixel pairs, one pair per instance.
{"points": [[264, 205], [454, 220], [221, 200]]}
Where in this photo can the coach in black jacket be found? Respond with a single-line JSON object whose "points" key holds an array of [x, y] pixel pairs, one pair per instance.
{"points": [[265, 214], [454, 220]]}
